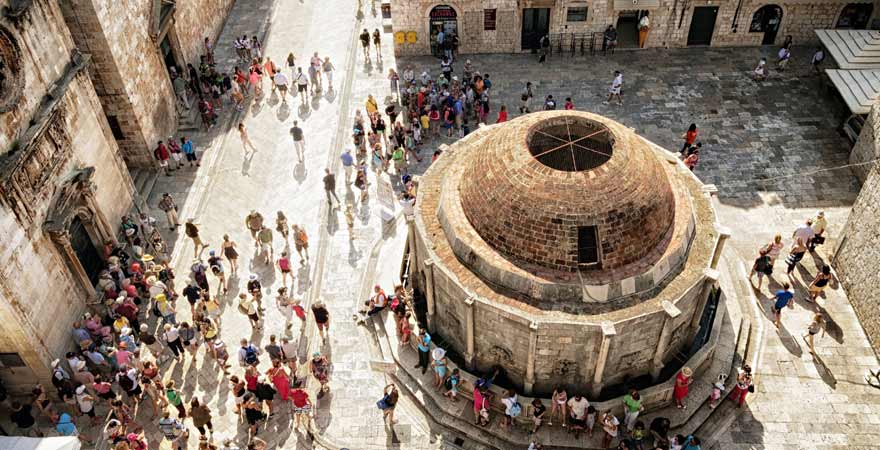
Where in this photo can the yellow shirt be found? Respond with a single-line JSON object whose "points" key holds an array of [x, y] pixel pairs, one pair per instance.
{"points": [[425, 122]]}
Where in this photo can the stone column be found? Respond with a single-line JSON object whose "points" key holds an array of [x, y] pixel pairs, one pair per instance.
{"points": [[469, 332], [608, 333], [710, 278], [429, 292], [533, 354], [411, 241], [723, 235], [672, 312]]}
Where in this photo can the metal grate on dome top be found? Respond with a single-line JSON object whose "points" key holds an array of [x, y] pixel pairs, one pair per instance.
{"points": [[572, 145]]}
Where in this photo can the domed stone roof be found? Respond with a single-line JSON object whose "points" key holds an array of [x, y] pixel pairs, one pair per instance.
{"points": [[567, 191]]}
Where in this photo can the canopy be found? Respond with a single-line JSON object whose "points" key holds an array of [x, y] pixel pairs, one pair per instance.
{"points": [[859, 88], [852, 49], [50, 443]]}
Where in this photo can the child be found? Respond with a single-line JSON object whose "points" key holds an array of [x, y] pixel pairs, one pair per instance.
{"points": [[349, 220], [717, 391], [569, 105], [591, 420], [638, 435], [451, 384], [417, 131]]}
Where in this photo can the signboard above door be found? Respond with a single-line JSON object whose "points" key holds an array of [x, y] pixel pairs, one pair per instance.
{"points": [[624, 5]]}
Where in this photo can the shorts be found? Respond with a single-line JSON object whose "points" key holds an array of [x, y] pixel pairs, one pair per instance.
{"points": [[163, 163], [254, 317], [302, 87], [323, 325], [191, 156], [175, 156], [90, 413], [285, 270], [537, 421], [299, 246], [282, 88]]}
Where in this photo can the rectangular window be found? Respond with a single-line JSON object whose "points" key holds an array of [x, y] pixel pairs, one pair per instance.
{"points": [[588, 246], [576, 14], [489, 19], [115, 128]]}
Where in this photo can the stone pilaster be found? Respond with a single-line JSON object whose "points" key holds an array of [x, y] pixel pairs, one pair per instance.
{"points": [[533, 350], [429, 292], [469, 332], [608, 333], [723, 235], [672, 312]]}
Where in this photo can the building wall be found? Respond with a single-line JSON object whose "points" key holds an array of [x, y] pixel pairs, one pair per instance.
{"points": [[39, 294], [197, 19], [669, 27], [867, 147]]}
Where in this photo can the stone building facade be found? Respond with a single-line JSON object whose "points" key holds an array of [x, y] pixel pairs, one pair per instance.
{"points": [[525, 244], [63, 188], [133, 44], [508, 26]]}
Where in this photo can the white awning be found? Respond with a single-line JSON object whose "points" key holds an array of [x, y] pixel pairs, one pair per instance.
{"points": [[628, 5], [859, 88], [852, 49], [50, 443]]}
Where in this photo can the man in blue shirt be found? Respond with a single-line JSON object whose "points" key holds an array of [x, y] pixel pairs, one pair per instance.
{"points": [[783, 298], [189, 150], [424, 350], [347, 164]]}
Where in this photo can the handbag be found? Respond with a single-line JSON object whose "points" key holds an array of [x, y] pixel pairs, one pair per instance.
{"points": [[383, 403]]}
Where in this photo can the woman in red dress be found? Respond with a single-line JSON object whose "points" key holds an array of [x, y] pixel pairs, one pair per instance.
{"points": [[682, 382], [279, 378]]}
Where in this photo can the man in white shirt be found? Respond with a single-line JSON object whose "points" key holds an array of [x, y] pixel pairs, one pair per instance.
{"points": [[577, 407], [281, 83], [804, 232], [616, 86], [819, 226], [644, 27]]}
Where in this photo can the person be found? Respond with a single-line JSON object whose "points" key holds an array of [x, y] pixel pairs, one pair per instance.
{"points": [[538, 413], [692, 443], [253, 412], [404, 328], [348, 163], [192, 231], [610, 425], [820, 282], [248, 354], [228, 247], [254, 223], [216, 265], [281, 82], [819, 225], [659, 430], [549, 103], [774, 248], [330, 187], [189, 151], [615, 89], [424, 348], [690, 136], [569, 105], [299, 142], [762, 266], [300, 242], [315, 73], [609, 39], [818, 324], [162, 155], [377, 43], [682, 384], [577, 412], [481, 406], [559, 403], [644, 28], [743, 386], [632, 406], [322, 318], [512, 408], [502, 114], [173, 430], [201, 417], [439, 365], [365, 43], [245, 138], [692, 159], [760, 72], [782, 299], [279, 378], [816, 60], [319, 367], [782, 58], [389, 401], [167, 205], [171, 336], [302, 85], [452, 384], [328, 68], [302, 405], [264, 236], [795, 255], [525, 98], [24, 420]]}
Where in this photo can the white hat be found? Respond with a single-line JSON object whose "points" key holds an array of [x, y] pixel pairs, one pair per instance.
{"points": [[125, 331], [253, 277], [55, 362], [80, 389], [438, 353], [144, 327]]}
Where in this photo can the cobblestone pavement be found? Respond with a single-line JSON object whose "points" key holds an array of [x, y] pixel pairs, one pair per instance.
{"points": [[749, 132]]}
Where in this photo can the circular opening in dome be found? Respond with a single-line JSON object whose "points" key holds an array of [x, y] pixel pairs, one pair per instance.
{"points": [[571, 144]]}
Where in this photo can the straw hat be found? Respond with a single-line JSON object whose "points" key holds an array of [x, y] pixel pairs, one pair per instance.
{"points": [[147, 257], [687, 372]]}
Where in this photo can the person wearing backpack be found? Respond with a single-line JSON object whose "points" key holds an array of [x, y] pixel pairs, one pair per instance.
{"points": [[248, 355], [762, 266], [452, 383], [512, 408]]}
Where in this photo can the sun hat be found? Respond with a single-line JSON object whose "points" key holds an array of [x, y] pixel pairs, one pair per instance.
{"points": [[687, 371], [438, 353]]}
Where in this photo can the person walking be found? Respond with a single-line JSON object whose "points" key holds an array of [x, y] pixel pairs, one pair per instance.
{"points": [[319, 367], [245, 138], [818, 324], [348, 163], [616, 88], [171, 336], [254, 223], [265, 238], [281, 82], [682, 384], [328, 68], [322, 318], [248, 307], [175, 399], [302, 85], [762, 266], [302, 405], [795, 255], [167, 205], [162, 154], [782, 299], [365, 43], [299, 142], [189, 151], [820, 282], [690, 137], [819, 226], [301, 242], [377, 43], [742, 387], [330, 187], [201, 417], [174, 430], [390, 397], [228, 247]]}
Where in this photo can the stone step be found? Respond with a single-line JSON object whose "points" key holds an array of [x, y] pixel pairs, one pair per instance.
{"points": [[147, 192]]}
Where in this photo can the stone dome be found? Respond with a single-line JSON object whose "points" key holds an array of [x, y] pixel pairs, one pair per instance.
{"points": [[567, 191]]}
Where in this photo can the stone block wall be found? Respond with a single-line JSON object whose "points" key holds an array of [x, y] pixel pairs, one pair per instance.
{"points": [[566, 355], [669, 27], [857, 256], [867, 147], [36, 50], [195, 20]]}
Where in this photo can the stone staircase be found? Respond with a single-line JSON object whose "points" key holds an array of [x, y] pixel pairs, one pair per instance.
{"points": [[144, 181], [189, 119]]}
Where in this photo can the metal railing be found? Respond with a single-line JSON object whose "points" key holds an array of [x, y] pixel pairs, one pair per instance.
{"points": [[576, 44]]}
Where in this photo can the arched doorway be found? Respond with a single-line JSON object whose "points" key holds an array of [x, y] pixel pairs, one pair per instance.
{"points": [[855, 16], [84, 248], [442, 19], [767, 20]]}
